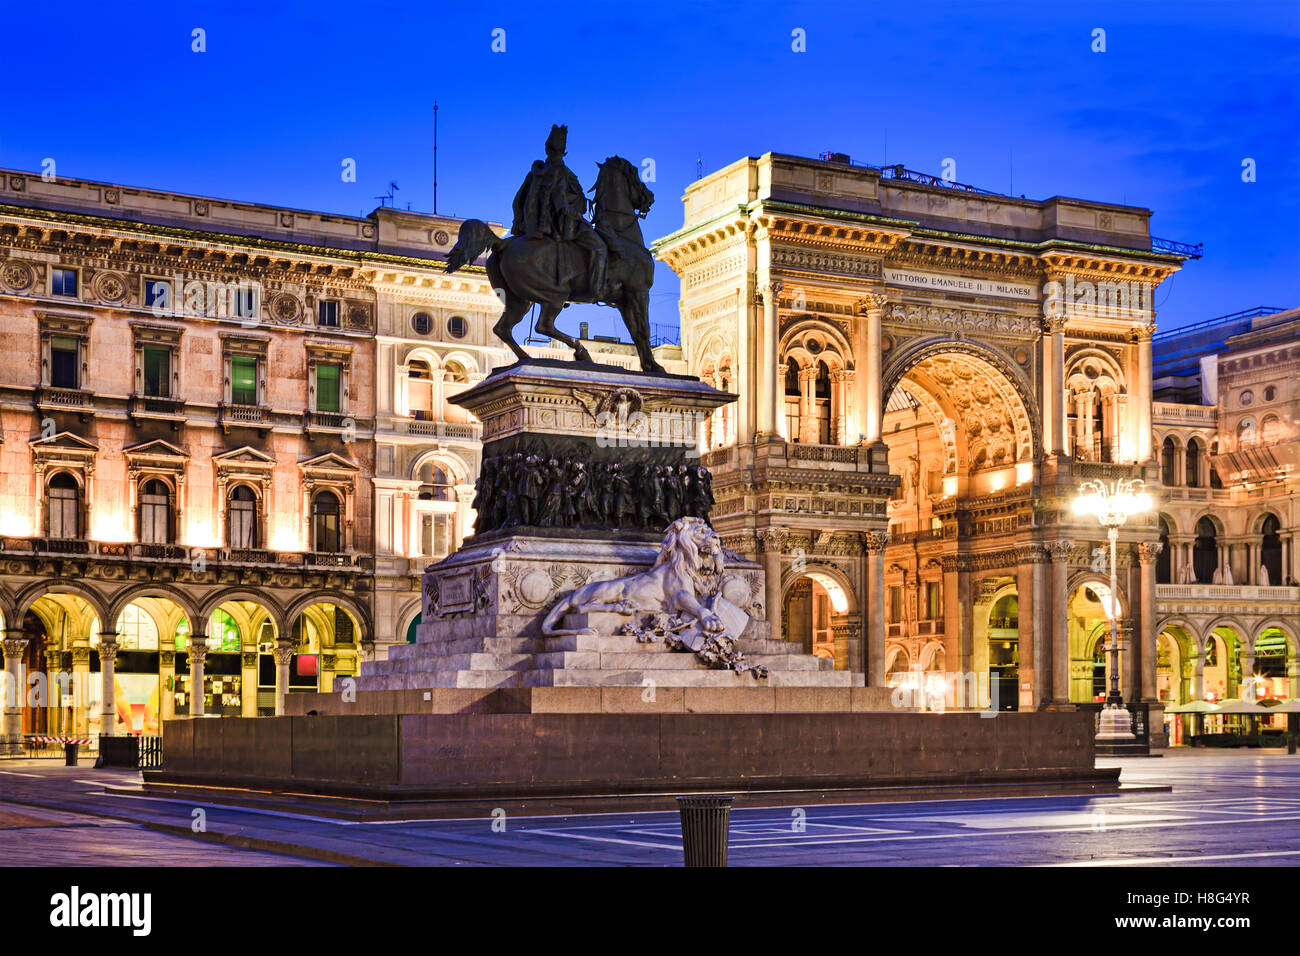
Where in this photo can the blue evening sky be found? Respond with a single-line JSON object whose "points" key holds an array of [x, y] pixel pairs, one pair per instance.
{"points": [[1184, 92]]}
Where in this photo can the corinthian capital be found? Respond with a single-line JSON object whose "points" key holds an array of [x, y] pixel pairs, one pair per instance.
{"points": [[875, 541], [1143, 333], [871, 302], [1060, 550], [283, 653], [774, 539], [1148, 551]]}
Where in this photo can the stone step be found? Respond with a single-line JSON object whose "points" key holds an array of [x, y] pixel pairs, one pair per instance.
{"points": [[625, 644], [687, 678], [431, 681], [675, 660], [455, 662]]}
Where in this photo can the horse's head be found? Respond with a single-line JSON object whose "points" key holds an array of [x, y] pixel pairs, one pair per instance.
{"points": [[619, 187]]}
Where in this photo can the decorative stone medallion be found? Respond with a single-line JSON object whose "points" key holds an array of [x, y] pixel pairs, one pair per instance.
{"points": [[440, 237], [285, 307], [108, 287], [17, 276]]}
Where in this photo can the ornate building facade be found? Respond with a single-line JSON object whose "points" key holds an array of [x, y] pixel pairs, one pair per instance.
{"points": [[227, 450], [196, 433], [926, 372], [1227, 405]]}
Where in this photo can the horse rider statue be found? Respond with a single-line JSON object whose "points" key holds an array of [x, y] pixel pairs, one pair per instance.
{"points": [[551, 204]]}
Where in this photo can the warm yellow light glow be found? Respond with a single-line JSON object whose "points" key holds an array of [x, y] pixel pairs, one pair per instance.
{"points": [[201, 536], [285, 539], [996, 483], [1024, 472], [949, 486], [111, 526], [14, 525], [839, 601]]}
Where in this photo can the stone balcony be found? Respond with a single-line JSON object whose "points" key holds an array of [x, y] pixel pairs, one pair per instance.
{"points": [[1215, 599], [143, 408], [80, 401]]}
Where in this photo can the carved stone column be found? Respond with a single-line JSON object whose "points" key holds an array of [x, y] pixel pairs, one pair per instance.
{"points": [[107, 656], [1146, 634], [774, 540], [1035, 641], [15, 644], [1060, 557], [808, 405], [769, 401], [198, 656], [80, 690], [874, 543], [284, 650], [1054, 412], [1142, 398], [166, 684], [54, 692], [872, 306]]}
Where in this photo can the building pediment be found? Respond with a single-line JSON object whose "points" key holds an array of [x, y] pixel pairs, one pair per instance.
{"points": [[155, 449], [63, 442], [329, 463], [246, 455]]}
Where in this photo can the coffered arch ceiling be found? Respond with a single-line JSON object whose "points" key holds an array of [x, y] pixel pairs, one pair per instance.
{"points": [[991, 426]]}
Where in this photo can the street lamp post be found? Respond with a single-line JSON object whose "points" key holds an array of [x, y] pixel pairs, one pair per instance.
{"points": [[1112, 504]]}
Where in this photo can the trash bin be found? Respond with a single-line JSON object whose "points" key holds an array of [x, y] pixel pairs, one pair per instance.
{"points": [[705, 824], [69, 755]]}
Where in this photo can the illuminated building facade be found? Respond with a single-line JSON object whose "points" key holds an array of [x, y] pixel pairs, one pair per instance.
{"points": [[188, 403], [1227, 403], [926, 372]]}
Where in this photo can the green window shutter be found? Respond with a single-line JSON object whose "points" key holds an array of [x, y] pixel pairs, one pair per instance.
{"points": [[243, 380], [327, 388]]}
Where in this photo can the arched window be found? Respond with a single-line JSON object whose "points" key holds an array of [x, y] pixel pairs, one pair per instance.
{"points": [[435, 483], [1246, 434], [1270, 430], [325, 524], [1205, 552], [63, 506], [1193, 464], [1270, 552], [1164, 561], [241, 517], [155, 512], [1215, 480], [455, 373], [793, 399], [822, 403], [419, 389], [1169, 463]]}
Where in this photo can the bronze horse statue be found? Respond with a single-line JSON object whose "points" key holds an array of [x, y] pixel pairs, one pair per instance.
{"points": [[551, 273]]}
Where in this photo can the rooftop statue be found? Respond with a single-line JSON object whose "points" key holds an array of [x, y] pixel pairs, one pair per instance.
{"points": [[555, 256]]}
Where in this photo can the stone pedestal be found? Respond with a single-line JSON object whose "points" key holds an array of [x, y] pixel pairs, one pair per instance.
{"points": [[550, 526]]}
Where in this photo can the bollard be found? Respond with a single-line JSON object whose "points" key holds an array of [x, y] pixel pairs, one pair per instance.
{"points": [[1290, 744], [705, 824], [69, 755]]}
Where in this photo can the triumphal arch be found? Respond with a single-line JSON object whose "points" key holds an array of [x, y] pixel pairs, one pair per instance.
{"points": [[926, 373]]}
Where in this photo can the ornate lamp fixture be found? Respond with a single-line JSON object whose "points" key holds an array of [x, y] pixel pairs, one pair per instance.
{"points": [[1112, 503]]}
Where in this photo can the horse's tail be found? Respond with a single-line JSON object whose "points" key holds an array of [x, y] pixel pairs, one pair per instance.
{"points": [[474, 239]]}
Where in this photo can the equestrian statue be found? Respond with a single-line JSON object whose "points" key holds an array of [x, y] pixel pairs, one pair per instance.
{"points": [[555, 256]]}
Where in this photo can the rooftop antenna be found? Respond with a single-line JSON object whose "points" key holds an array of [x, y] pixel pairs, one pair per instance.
{"points": [[435, 157], [699, 166], [387, 199]]}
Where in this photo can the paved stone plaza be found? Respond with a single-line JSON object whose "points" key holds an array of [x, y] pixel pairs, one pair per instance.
{"points": [[1224, 809]]}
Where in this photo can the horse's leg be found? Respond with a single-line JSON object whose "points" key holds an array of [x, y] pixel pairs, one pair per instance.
{"points": [[635, 309], [516, 308], [546, 326]]}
